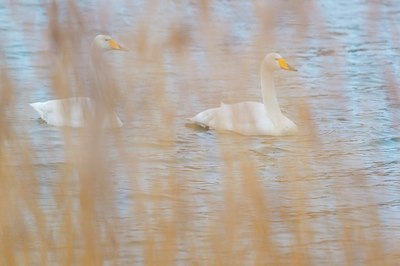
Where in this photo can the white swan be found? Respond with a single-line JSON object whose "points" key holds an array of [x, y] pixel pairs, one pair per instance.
{"points": [[74, 112], [253, 118], [78, 111]]}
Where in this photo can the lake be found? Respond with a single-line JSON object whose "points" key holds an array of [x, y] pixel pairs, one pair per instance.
{"points": [[160, 191]]}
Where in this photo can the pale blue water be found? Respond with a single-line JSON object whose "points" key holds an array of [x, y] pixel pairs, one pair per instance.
{"points": [[345, 54]]}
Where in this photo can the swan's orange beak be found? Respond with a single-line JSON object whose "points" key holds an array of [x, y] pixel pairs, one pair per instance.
{"points": [[284, 65], [115, 46]]}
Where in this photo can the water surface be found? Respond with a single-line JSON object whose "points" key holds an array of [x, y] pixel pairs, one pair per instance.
{"points": [[345, 55]]}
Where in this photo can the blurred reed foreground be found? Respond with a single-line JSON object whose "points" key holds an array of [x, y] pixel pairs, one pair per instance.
{"points": [[157, 192]]}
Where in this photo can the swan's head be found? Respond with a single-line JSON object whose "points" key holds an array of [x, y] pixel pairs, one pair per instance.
{"points": [[106, 43], [274, 61]]}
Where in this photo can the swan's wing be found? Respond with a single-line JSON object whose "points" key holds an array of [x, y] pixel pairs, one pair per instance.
{"points": [[73, 112], [247, 118], [250, 118], [85, 109], [50, 111], [220, 118], [111, 120]]}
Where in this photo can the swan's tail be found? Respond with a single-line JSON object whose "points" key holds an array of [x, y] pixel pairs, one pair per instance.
{"points": [[38, 107], [192, 123], [205, 119], [119, 122]]}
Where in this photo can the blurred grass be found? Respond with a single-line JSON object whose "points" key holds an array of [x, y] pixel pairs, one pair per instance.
{"points": [[82, 227]]}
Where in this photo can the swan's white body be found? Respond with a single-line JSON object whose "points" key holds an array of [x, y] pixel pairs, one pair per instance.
{"points": [[253, 118], [80, 111], [75, 112], [246, 118]]}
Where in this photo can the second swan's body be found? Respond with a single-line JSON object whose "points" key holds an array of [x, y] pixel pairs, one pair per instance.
{"points": [[253, 118]]}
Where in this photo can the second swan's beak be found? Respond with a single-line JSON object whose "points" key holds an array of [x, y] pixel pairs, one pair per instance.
{"points": [[115, 46], [284, 65]]}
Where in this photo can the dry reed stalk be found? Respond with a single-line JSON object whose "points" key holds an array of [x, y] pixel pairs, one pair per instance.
{"points": [[163, 225]]}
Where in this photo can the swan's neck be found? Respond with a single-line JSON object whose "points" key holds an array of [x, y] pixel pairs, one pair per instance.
{"points": [[96, 59], [102, 83], [269, 96], [97, 70]]}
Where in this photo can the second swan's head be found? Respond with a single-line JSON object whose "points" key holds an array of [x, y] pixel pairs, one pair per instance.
{"points": [[106, 43], [275, 61]]}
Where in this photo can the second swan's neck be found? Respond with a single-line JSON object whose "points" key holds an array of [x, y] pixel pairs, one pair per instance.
{"points": [[269, 95], [97, 73]]}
